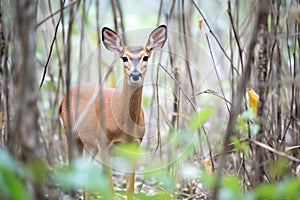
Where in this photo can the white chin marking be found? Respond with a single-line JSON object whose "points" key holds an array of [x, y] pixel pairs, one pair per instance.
{"points": [[135, 82]]}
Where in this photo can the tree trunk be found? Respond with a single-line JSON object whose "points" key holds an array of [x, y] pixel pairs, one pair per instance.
{"points": [[24, 133], [262, 85]]}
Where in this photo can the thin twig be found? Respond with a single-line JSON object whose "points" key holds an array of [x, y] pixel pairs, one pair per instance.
{"points": [[280, 153], [118, 19], [215, 93], [187, 59], [213, 34], [56, 12], [236, 35], [217, 74], [50, 53]]}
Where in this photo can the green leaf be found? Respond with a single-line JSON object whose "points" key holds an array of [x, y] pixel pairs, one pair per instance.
{"points": [[85, 175], [266, 190], [146, 101], [159, 195], [168, 181], [51, 85], [248, 115], [228, 194], [233, 184], [250, 196], [290, 188], [37, 170], [130, 151], [162, 176], [279, 167], [245, 148], [235, 142], [208, 179], [198, 118], [241, 146], [14, 188], [12, 174], [254, 129]]}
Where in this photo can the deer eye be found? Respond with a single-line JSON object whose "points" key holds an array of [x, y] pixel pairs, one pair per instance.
{"points": [[125, 59], [145, 58]]}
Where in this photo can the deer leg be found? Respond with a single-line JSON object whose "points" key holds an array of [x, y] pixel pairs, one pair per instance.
{"points": [[72, 193], [130, 185], [79, 147], [88, 156], [108, 171], [105, 161], [110, 180]]}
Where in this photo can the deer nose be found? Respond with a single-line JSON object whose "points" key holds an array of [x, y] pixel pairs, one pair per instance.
{"points": [[135, 76]]}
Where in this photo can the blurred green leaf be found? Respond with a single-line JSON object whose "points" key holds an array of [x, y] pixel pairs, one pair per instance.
{"points": [[266, 190], [198, 118], [130, 151], [228, 194], [159, 195], [51, 85], [50, 112], [279, 167], [248, 115], [189, 152], [244, 121], [75, 30], [208, 179], [232, 183], [8, 162], [37, 170], [290, 188], [254, 129], [245, 148], [249, 196], [168, 181], [240, 146], [12, 174], [85, 175], [180, 144], [164, 177], [146, 101], [235, 141]]}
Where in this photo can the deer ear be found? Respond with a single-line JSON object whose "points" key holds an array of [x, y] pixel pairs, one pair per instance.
{"points": [[157, 38], [112, 40]]}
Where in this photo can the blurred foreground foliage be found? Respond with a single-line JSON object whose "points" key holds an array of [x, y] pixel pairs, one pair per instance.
{"points": [[86, 174], [83, 174]]}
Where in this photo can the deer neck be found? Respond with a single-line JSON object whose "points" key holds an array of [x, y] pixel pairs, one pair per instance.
{"points": [[131, 101], [127, 115]]}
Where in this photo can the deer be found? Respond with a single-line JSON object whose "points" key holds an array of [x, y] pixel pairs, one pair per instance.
{"points": [[121, 110]]}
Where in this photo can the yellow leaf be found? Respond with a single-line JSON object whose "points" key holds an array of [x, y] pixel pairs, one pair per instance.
{"points": [[207, 165], [200, 23], [254, 99], [112, 80]]}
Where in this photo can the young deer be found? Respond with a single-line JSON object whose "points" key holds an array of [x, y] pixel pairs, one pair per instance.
{"points": [[122, 113]]}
